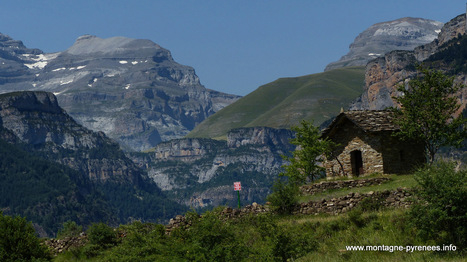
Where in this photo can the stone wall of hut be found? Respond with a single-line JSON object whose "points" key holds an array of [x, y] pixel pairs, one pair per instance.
{"points": [[380, 153], [352, 139], [401, 156]]}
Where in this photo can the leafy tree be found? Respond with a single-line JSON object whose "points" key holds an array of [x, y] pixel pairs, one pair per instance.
{"points": [[304, 162], [427, 112], [70, 229], [18, 241], [284, 196], [441, 216], [102, 235]]}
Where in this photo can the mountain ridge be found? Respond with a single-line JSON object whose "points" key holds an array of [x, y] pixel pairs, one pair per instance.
{"points": [[384, 74], [105, 84], [286, 101], [401, 34], [92, 164]]}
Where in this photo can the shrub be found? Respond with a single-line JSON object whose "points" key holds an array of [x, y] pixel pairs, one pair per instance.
{"points": [[441, 216], [70, 229], [289, 243], [284, 196], [214, 240], [18, 241], [102, 235], [369, 204], [355, 216]]}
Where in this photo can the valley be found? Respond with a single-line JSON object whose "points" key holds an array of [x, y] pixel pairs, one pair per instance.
{"points": [[116, 131]]}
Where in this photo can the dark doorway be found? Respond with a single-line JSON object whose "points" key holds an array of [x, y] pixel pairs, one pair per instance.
{"points": [[357, 162]]}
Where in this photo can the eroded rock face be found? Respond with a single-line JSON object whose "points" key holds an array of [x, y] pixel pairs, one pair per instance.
{"points": [[383, 75], [36, 119], [449, 31], [130, 89], [379, 39], [201, 172]]}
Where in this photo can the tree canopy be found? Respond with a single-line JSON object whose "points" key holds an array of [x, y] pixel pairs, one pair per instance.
{"points": [[427, 111], [311, 149]]}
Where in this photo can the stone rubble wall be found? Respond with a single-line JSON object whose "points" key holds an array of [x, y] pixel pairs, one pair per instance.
{"points": [[400, 198], [330, 185], [61, 245]]}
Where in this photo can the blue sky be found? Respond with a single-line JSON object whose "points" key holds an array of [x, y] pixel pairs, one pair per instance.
{"points": [[235, 46]]}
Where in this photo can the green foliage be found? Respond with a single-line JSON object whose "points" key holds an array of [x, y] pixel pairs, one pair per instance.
{"points": [[18, 241], [106, 150], [452, 55], [286, 101], [69, 229], [214, 240], [102, 235], [46, 193], [288, 243], [373, 203], [442, 215], [284, 196], [427, 112], [304, 162]]}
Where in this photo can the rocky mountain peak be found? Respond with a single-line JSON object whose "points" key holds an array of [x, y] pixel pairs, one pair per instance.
{"points": [[401, 34], [130, 89], [384, 74], [90, 44]]}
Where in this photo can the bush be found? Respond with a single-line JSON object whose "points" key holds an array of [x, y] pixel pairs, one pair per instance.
{"points": [[284, 196], [102, 235], [18, 241], [369, 204], [441, 216], [70, 229], [214, 240], [288, 244]]}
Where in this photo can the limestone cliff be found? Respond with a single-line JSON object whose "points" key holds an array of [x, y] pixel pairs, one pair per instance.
{"points": [[384, 74], [130, 89], [201, 172], [401, 34], [36, 119], [88, 164]]}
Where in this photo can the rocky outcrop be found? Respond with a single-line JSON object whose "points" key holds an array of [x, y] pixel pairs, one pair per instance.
{"points": [[258, 136], [383, 75], [401, 34], [36, 119], [130, 89], [449, 31], [58, 246], [201, 172], [100, 182]]}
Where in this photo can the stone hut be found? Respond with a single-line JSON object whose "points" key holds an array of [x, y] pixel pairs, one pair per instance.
{"points": [[366, 145]]}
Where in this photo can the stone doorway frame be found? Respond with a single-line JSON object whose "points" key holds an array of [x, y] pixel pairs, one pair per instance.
{"points": [[356, 162]]}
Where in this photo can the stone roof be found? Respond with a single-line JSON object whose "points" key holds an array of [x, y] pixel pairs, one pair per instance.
{"points": [[367, 120]]}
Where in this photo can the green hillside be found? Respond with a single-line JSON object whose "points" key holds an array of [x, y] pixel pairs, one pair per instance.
{"points": [[286, 101]]}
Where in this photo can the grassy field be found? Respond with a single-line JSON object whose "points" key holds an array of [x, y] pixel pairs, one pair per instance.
{"points": [[273, 237], [396, 181], [387, 227], [286, 101]]}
